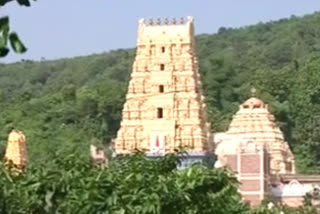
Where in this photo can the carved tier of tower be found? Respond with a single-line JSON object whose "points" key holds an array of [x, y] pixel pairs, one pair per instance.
{"points": [[164, 107], [254, 123]]}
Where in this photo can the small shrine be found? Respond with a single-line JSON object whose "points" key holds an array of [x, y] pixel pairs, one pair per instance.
{"points": [[16, 150]]}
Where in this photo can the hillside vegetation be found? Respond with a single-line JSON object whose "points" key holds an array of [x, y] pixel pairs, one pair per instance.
{"points": [[67, 102]]}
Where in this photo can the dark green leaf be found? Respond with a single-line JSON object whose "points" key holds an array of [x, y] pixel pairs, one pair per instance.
{"points": [[3, 2], [16, 43], [3, 51], [24, 2], [4, 23]]}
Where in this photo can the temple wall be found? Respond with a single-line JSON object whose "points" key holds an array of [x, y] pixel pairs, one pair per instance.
{"points": [[249, 165], [292, 192]]}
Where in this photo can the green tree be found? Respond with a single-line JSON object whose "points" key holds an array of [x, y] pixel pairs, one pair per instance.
{"points": [[132, 184]]}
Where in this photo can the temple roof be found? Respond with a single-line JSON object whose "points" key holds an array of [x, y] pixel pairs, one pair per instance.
{"points": [[253, 102], [253, 120], [254, 123]]}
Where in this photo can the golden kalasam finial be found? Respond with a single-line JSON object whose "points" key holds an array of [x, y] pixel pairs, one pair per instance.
{"points": [[253, 91]]}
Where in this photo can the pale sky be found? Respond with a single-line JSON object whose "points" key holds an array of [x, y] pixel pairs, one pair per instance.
{"points": [[66, 28]]}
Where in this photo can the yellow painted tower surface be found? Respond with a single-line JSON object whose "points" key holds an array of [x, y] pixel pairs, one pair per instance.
{"points": [[164, 107], [16, 150]]}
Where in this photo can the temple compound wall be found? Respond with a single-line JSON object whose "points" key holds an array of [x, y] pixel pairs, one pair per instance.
{"points": [[291, 189], [165, 109]]}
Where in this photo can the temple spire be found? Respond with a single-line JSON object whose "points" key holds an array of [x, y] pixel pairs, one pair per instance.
{"points": [[16, 151]]}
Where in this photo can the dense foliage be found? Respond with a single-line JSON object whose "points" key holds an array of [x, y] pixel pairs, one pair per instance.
{"points": [[76, 101], [130, 185]]}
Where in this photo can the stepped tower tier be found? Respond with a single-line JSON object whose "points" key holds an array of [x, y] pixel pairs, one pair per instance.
{"points": [[16, 151], [164, 107], [254, 123]]}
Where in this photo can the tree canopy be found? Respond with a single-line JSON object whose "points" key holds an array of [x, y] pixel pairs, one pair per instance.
{"points": [[130, 185]]}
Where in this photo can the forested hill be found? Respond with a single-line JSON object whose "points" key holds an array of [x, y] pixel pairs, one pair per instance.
{"points": [[73, 102]]}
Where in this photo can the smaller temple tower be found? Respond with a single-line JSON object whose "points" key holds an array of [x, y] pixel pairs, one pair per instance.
{"points": [[254, 123], [16, 151], [254, 148]]}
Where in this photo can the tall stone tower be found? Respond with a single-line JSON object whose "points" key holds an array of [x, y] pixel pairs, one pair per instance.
{"points": [[164, 107]]}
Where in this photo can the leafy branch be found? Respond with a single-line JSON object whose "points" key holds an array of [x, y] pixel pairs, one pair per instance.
{"points": [[6, 36]]}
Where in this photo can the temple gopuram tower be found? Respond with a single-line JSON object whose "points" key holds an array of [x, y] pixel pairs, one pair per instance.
{"points": [[164, 108], [16, 150]]}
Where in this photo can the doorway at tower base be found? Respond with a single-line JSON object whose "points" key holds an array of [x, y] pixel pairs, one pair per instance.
{"points": [[187, 159]]}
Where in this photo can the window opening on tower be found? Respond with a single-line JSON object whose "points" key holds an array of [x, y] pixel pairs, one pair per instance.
{"points": [[162, 67], [159, 112], [161, 88]]}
